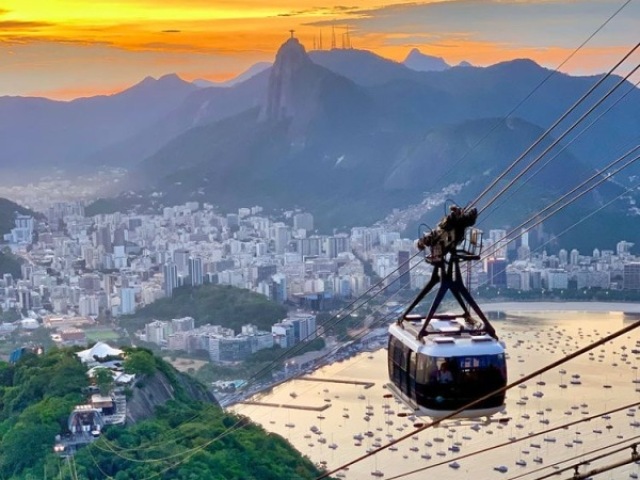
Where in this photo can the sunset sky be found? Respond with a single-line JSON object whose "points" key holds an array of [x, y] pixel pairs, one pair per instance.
{"points": [[64, 49]]}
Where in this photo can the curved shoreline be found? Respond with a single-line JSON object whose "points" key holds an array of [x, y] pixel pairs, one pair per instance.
{"points": [[595, 307]]}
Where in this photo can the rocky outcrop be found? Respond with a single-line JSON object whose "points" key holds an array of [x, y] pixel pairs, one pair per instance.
{"points": [[291, 62], [151, 391]]}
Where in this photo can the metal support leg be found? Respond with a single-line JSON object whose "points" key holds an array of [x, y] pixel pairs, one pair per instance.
{"points": [[433, 281]]}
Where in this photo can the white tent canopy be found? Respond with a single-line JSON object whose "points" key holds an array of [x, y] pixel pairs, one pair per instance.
{"points": [[99, 350]]}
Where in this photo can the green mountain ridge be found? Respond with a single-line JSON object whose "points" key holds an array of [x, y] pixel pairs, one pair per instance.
{"points": [[183, 438]]}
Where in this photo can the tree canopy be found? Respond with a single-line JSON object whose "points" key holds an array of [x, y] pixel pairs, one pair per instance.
{"points": [[223, 305], [185, 440]]}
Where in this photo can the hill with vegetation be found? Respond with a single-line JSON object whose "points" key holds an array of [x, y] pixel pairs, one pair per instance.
{"points": [[193, 442], [9, 263], [36, 396], [8, 209], [223, 305], [184, 438]]}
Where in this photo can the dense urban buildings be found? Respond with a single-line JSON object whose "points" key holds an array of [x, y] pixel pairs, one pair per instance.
{"points": [[77, 266]]}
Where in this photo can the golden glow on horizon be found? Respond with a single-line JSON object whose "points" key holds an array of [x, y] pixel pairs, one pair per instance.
{"points": [[107, 12], [213, 40]]}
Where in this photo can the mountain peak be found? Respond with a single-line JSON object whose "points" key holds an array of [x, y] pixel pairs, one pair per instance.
{"points": [[292, 53], [416, 60], [291, 63], [170, 78]]}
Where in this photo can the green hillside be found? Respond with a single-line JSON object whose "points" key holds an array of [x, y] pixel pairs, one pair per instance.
{"points": [[215, 304], [9, 263], [182, 439], [7, 214]]}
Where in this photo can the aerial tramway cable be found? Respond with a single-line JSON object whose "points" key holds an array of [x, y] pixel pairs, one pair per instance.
{"points": [[592, 187], [190, 452], [353, 303], [596, 471], [575, 457], [187, 454], [552, 127], [514, 384], [517, 440], [110, 448], [561, 207], [557, 140], [587, 461], [529, 95], [564, 147]]}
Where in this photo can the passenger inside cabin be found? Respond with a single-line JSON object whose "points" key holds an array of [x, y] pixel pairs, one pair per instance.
{"points": [[444, 374]]}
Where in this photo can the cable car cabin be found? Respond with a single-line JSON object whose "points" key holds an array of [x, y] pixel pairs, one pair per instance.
{"points": [[449, 369]]}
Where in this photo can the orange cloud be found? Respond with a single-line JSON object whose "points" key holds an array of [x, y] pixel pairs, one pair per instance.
{"points": [[216, 40]]}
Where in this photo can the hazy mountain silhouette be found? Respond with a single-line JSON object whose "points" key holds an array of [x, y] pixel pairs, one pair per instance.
{"points": [[346, 134], [421, 62], [252, 71], [348, 152], [37, 133], [363, 67]]}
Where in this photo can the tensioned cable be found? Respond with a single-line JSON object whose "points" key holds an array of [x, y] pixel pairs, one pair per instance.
{"points": [[468, 406], [336, 319], [523, 232], [583, 219], [517, 440], [530, 94], [589, 460], [207, 443], [233, 427], [555, 124], [325, 324], [339, 317], [269, 367], [585, 476], [575, 457], [190, 452], [564, 147], [604, 178], [558, 140]]}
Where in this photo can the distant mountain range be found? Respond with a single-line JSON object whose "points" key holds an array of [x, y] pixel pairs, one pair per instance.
{"points": [[247, 74], [345, 134]]}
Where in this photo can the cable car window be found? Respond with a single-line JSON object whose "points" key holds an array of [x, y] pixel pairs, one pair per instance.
{"points": [[411, 387], [447, 383], [398, 363], [422, 368]]}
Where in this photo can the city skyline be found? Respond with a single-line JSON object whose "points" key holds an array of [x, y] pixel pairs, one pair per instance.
{"points": [[65, 49]]}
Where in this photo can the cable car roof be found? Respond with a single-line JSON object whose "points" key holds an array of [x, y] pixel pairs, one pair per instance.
{"points": [[446, 344]]}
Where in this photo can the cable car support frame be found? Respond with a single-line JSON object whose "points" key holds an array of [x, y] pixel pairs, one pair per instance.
{"points": [[450, 244]]}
